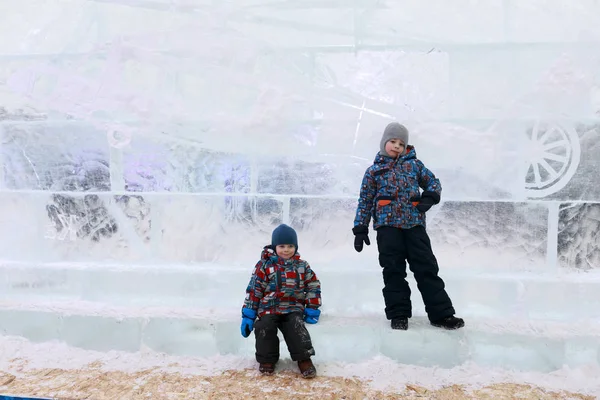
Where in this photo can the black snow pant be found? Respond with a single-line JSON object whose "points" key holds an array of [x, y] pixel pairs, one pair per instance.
{"points": [[294, 332], [396, 246]]}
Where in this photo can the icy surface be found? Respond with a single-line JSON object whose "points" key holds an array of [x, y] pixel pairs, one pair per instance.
{"points": [[273, 104], [579, 237], [525, 346], [160, 142], [382, 372], [527, 322]]}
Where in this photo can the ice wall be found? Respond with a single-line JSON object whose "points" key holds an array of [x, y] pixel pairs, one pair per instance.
{"points": [[183, 131]]}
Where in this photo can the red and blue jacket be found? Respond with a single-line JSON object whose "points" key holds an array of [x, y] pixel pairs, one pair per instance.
{"points": [[280, 286], [388, 187]]}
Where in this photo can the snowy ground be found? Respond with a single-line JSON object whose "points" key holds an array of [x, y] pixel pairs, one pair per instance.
{"points": [[125, 143], [53, 369], [104, 333]]}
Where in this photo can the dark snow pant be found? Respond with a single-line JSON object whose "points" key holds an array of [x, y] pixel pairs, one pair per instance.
{"points": [[294, 332], [396, 246]]}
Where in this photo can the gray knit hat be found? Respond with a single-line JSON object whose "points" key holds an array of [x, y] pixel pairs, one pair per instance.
{"points": [[394, 130]]}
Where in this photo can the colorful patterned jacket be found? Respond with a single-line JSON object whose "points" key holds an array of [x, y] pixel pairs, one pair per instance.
{"points": [[280, 286], [388, 187]]}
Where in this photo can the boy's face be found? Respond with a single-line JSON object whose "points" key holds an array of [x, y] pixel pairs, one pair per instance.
{"points": [[285, 251], [395, 147]]}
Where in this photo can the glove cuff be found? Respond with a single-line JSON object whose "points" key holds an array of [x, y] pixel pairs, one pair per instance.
{"points": [[432, 195], [248, 313], [360, 229]]}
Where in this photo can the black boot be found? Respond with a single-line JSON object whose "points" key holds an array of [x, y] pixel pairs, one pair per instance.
{"points": [[266, 368], [307, 369], [400, 323], [450, 322]]}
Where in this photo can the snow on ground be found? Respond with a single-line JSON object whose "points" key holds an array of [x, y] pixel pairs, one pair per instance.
{"points": [[20, 358]]}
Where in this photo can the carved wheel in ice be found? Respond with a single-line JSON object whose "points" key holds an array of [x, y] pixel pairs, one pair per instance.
{"points": [[553, 152]]}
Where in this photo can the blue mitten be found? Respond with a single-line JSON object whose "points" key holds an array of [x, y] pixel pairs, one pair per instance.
{"points": [[248, 317], [311, 315]]}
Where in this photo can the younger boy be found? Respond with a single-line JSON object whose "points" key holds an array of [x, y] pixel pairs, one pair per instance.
{"points": [[390, 194], [283, 293]]}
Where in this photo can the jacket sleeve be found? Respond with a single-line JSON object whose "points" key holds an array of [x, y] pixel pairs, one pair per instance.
{"points": [[428, 181], [256, 287], [366, 198], [312, 288]]}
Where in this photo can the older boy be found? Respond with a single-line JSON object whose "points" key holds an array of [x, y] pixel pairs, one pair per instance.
{"points": [[390, 194]]}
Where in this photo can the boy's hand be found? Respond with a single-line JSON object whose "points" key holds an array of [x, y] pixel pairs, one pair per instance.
{"points": [[361, 234], [311, 315], [425, 201], [248, 317]]}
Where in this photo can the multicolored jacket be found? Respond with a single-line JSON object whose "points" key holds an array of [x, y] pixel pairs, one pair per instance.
{"points": [[280, 286], [388, 187]]}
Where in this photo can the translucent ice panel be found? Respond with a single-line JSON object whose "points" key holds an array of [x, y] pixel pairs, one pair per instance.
{"points": [[319, 176], [514, 295], [389, 23], [413, 84], [163, 163], [526, 81], [33, 27], [201, 229], [523, 346], [553, 21], [54, 156], [190, 229], [515, 159], [157, 230], [582, 184], [23, 219], [79, 227], [324, 225], [166, 164], [497, 235], [110, 87], [299, 25], [578, 238]]}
